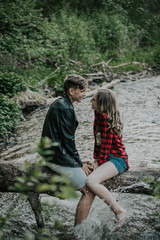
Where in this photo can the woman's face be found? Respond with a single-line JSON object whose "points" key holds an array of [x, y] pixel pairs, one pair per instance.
{"points": [[94, 102]]}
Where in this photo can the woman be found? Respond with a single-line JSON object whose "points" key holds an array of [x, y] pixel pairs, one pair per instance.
{"points": [[109, 152]]}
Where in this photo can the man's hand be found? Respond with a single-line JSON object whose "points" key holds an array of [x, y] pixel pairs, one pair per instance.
{"points": [[87, 162], [87, 169]]}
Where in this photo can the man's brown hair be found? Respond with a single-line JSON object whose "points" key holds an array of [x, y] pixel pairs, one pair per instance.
{"points": [[74, 81]]}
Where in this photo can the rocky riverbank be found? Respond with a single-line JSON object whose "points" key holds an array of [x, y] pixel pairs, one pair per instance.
{"points": [[138, 100]]}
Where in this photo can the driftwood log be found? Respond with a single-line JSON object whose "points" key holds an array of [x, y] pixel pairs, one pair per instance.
{"points": [[107, 85], [130, 181], [107, 72]]}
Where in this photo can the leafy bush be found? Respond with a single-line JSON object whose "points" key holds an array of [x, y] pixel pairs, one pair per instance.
{"points": [[34, 177], [156, 55], [57, 80], [11, 83], [39, 37], [154, 184], [9, 115], [77, 35]]}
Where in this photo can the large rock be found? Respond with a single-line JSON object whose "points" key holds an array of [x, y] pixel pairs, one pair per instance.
{"points": [[29, 100]]}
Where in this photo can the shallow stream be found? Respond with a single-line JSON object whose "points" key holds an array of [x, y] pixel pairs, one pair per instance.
{"points": [[139, 104]]}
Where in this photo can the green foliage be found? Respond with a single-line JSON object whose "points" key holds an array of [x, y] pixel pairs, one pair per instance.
{"points": [[154, 185], [144, 14], [109, 33], [76, 30], [34, 177], [39, 37], [11, 83], [77, 35], [57, 81], [9, 115], [18, 20], [156, 55], [3, 222], [46, 148]]}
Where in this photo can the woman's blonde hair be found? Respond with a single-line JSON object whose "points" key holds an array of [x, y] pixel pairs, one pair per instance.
{"points": [[106, 103]]}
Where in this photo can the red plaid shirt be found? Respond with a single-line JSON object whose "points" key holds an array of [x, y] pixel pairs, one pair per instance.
{"points": [[109, 142]]}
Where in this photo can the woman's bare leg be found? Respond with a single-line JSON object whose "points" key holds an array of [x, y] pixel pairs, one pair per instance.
{"points": [[94, 180]]}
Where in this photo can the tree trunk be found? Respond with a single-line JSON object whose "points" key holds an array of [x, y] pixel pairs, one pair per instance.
{"points": [[9, 173], [133, 181], [129, 181]]}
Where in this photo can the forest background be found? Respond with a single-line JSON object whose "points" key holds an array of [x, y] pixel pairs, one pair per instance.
{"points": [[38, 38]]}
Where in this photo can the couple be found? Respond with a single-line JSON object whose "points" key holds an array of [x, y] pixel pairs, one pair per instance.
{"points": [[110, 158]]}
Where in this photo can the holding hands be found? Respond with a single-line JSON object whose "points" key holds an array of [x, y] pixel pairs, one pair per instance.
{"points": [[89, 166]]}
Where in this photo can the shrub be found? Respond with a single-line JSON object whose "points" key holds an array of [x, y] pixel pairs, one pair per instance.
{"points": [[11, 83], [156, 55], [9, 115]]}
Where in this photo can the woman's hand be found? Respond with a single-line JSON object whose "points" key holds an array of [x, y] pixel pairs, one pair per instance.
{"points": [[95, 165]]}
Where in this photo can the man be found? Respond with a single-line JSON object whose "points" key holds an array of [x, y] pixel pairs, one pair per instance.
{"points": [[60, 126]]}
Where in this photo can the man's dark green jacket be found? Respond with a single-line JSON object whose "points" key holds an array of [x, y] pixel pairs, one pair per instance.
{"points": [[60, 125]]}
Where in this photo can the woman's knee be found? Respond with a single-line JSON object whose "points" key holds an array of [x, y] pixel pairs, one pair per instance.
{"points": [[90, 182]]}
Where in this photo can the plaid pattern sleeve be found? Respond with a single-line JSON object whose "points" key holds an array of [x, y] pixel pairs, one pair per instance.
{"points": [[102, 150], [110, 142]]}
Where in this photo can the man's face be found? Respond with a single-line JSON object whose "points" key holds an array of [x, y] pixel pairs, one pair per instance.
{"points": [[77, 94]]}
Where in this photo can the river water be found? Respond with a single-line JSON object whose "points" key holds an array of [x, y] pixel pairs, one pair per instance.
{"points": [[139, 104]]}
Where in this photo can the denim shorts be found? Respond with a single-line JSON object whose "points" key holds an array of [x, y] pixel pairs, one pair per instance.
{"points": [[76, 175], [119, 163]]}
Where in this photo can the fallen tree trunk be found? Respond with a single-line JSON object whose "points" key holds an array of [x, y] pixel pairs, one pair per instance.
{"points": [[134, 181], [107, 85], [10, 172], [129, 181], [126, 64]]}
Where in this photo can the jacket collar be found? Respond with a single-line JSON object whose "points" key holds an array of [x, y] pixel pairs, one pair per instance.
{"points": [[67, 99]]}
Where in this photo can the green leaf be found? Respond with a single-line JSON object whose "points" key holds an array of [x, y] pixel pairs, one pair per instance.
{"points": [[43, 187]]}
